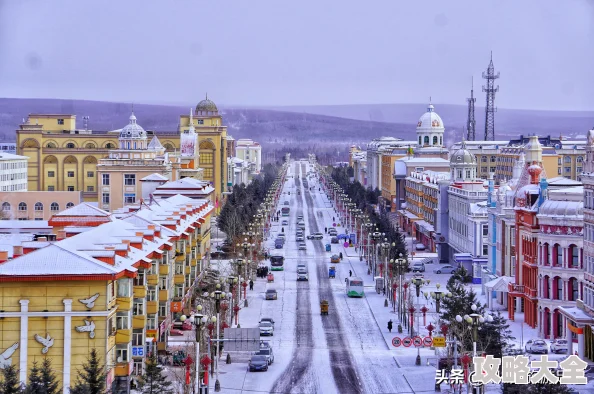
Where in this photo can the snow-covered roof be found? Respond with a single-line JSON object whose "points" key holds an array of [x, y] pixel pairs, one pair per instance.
{"points": [[9, 241], [10, 156], [155, 177], [83, 209]]}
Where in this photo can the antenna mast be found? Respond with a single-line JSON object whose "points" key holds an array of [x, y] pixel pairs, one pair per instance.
{"points": [[470, 122], [490, 109]]}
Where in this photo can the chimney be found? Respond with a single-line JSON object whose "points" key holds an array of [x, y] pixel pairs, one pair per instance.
{"points": [[61, 235], [140, 234], [17, 251], [3, 256], [42, 239], [151, 226], [110, 248]]}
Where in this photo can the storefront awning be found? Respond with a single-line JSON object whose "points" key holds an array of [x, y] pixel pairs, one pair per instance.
{"points": [[424, 226], [408, 214]]}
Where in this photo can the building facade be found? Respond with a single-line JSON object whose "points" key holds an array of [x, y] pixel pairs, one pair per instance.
{"points": [[13, 173], [250, 152], [36, 205]]}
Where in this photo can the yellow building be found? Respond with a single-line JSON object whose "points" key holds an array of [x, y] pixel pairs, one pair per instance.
{"points": [[107, 288], [388, 185], [64, 158]]}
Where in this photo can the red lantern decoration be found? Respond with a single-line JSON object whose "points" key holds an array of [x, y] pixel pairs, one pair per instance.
{"points": [[188, 361], [412, 310], [225, 325], [205, 361], [430, 328], [210, 327], [444, 329], [466, 362], [424, 309], [244, 284], [224, 306]]}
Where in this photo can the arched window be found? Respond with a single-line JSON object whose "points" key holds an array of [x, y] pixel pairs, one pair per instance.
{"points": [[567, 159], [579, 159], [546, 287], [38, 206], [50, 145], [573, 291], [435, 140], [575, 256], [70, 145], [109, 145], [54, 207], [557, 255], [426, 140], [546, 254], [558, 288], [22, 206], [69, 205], [90, 145], [6, 206]]}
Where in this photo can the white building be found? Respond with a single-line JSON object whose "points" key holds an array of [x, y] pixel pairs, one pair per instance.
{"points": [[468, 222], [13, 172], [238, 171], [375, 149], [430, 129], [250, 152]]}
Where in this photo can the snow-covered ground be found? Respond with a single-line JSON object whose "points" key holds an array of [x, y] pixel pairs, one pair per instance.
{"points": [[349, 350]]}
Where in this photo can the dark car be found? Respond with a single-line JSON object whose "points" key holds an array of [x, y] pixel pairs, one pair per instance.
{"points": [[334, 240], [258, 363]]}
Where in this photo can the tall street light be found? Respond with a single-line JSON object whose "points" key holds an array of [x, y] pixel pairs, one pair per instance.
{"points": [[418, 282], [218, 295], [197, 320]]}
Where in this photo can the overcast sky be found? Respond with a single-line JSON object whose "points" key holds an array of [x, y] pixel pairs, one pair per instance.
{"points": [[305, 52]]}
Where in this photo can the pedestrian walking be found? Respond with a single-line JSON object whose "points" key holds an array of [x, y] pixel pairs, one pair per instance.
{"points": [[333, 218], [350, 273], [251, 284], [341, 255], [326, 230], [390, 325]]}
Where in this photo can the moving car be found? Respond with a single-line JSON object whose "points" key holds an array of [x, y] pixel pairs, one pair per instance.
{"points": [[536, 346], [278, 244], [418, 267], [266, 328], [334, 240], [285, 222], [258, 363], [420, 247], [266, 352], [299, 238], [281, 235], [267, 320], [271, 294], [302, 246], [332, 232], [559, 346], [302, 274], [315, 236], [300, 217], [335, 258], [301, 224], [286, 203], [445, 269], [301, 266]]}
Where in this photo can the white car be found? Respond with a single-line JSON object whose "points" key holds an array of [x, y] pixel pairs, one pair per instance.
{"points": [[302, 246], [266, 328], [302, 275], [559, 346], [536, 346]]}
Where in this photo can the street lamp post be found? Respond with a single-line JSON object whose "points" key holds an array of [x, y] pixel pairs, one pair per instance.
{"points": [[418, 282], [197, 320], [218, 295]]}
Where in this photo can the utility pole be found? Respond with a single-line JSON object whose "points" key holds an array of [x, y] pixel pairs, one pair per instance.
{"points": [[490, 109]]}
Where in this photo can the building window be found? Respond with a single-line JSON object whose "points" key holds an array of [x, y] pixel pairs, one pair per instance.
{"points": [[208, 172], [51, 188], [69, 205], [493, 158], [6, 206], [90, 188], [575, 256], [485, 230], [123, 320], [163, 283], [38, 206], [129, 179], [559, 288], [567, 170], [567, 159], [129, 198], [559, 161], [70, 174], [51, 174], [54, 207], [491, 169], [163, 309], [105, 179], [575, 290], [138, 307], [483, 159], [105, 198], [90, 174], [151, 293], [70, 188], [137, 338], [151, 322], [200, 121], [61, 121], [485, 250], [579, 159], [122, 353], [70, 145], [559, 171], [483, 169], [124, 287], [206, 158], [579, 170], [22, 206]]}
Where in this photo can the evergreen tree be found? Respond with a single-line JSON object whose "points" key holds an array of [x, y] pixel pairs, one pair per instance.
{"points": [[91, 380], [35, 385], [48, 378], [10, 381], [153, 381]]}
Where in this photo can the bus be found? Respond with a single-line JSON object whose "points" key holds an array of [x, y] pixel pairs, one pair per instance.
{"points": [[277, 263], [354, 287], [285, 211]]}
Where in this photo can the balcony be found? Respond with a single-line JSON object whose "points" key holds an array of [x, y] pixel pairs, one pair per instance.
{"points": [[123, 336], [152, 307], [188, 270], [179, 279], [152, 280], [123, 369], [193, 262], [163, 295], [180, 259], [138, 322], [195, 241], [124, 303], [139, 291], [164, 269]]}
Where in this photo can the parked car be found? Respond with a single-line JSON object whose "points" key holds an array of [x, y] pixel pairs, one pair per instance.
{"points": [[302, 246], [300, 217], [281, 236], [302, 275], [559, 346], [268, 353], [536, 346], [418, 275], [315, 236], [420, 247], [285, 222], [278, 244], [271, 294], [258, 363], [418, 267], [334, 240], [332, 231], [266, 328], [445, 269], [267, 320]]}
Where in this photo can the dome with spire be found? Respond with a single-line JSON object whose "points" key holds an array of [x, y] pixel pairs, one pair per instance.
{"points": [[462, 156], [206, 106], [132, 130], [430, 119]]}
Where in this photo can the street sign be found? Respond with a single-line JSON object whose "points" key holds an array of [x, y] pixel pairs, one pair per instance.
{"points": [[396, 341], [407, 341], [439, 342], [427, 341], [418, 341]]}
